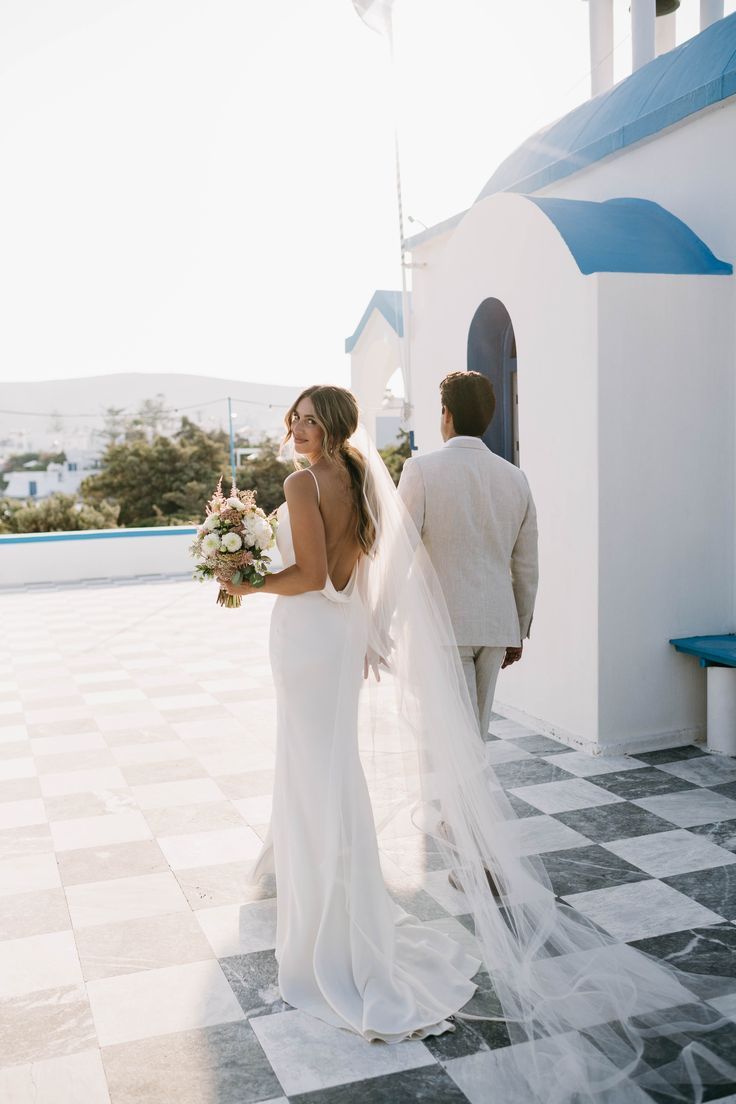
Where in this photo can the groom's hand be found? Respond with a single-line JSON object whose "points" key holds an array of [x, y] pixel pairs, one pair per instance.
{"points": [[513, 655], [372, 662]]}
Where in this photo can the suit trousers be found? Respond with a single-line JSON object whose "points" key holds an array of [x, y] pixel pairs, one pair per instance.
{"points": [[480, 667]]}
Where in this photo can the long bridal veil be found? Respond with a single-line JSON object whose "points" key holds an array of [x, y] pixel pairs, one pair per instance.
{"points": [[592, 1019]]}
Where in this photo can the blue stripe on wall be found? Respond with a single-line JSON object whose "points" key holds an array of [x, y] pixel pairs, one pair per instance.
{"points": [[95, 534]]}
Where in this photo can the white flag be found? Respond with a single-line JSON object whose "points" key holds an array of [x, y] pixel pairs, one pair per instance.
{"points": [[376, 14]]}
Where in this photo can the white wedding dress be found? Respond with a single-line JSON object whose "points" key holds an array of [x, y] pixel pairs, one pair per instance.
{"points": [[591, 1020], [346, 952]]}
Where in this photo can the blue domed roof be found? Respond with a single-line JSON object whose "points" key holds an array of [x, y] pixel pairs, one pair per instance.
{"points": [[679, 83], [629, 235]]}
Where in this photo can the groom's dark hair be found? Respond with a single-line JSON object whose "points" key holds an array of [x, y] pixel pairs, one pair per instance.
{"points": [[469, 398]]}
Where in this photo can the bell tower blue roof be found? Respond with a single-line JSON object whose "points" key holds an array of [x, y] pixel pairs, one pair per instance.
{"points": [[695, 75]]}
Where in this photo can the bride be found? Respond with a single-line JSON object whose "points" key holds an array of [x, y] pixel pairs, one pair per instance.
{"points": [[357, 586]]}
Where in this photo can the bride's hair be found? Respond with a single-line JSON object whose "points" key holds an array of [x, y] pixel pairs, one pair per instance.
{"points": [[337, 413]]}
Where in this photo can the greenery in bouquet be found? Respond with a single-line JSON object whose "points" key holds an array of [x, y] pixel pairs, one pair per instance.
{"points": [[233, 542]]}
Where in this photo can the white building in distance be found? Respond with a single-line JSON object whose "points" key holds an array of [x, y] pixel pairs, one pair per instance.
{"points": [[592, 282], [57, 478]]}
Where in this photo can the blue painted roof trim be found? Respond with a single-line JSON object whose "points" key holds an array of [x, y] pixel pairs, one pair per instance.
{"points": [[712, 651], [629, 235], [98, 534], [695, 75], [389, 304]]}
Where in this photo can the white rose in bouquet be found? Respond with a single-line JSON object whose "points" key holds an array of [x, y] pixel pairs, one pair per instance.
{"points": [[211, 544], [211, 522], [237, 504], [263, 533], [231, 542]]}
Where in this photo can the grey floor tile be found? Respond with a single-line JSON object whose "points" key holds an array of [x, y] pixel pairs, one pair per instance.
{"points": [[578, 869], [539, 745], [722, 833], [254, 980], [648, 782], [520, 807], [613, 822], [715, 888], [428, 1085], [528, 772], [224, 1064], [671, 755], [700, 950]]}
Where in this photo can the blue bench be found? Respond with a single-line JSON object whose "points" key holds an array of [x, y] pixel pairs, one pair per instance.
{"points": [[718, 654]]}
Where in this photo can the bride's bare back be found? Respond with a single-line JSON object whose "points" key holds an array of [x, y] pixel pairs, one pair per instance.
{"points": [[336, 505]]}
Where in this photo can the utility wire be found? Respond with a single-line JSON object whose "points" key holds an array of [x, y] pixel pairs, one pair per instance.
{"points": [[136, 413]]}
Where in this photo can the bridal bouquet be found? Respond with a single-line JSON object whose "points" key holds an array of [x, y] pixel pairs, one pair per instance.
{"points": [[233, 542]]}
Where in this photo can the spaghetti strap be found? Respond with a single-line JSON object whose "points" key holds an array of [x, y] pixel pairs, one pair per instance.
{"points": [[316, 480]]}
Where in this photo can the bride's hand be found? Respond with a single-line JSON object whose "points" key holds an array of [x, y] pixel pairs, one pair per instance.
{"points": [[372, 662], [233, 588]]}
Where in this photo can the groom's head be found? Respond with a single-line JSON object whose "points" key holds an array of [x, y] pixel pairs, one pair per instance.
{"points": [[468, 403]]}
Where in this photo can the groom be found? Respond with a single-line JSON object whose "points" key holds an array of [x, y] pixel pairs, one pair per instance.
{"points": [[477, 520]]}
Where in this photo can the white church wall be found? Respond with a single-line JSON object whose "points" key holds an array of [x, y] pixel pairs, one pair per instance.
{"points": [[666, 439], [372, 363], [505, 247]]}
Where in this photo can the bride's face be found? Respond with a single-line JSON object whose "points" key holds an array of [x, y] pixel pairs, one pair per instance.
{"points": [[306, 431]]}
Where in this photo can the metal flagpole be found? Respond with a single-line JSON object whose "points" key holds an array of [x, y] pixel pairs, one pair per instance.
{"points": [[232, 436], [405, 342], [377, 14]]}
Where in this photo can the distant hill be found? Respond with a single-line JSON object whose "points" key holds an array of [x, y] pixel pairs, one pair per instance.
{"points": [[40, 414]]}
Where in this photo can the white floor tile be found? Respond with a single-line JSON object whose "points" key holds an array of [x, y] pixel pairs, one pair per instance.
{"points": [[704, 770], [210, 848], [641, 909], [560, 797], [17, 768], [17, 814], [585, 766], [158, 1002], [82, 781], [72, 1079], [307, 1054], [159, 751], [26, 873], [189, 791], [690, 807], [239, 929], [255, 810], [665, 853], [120, 899], [96, 831], [38, 962]]}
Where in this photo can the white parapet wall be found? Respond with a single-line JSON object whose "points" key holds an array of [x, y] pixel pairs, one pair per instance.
{"points": [[95, 554]]}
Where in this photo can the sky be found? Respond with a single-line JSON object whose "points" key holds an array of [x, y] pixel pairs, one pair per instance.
{"points": [[208, 186]]}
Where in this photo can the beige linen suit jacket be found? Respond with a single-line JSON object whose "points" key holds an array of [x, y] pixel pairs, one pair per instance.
{"points": [[477, 520]]}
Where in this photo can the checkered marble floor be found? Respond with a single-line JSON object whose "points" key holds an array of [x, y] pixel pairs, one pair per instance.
{"points": [[136, 965]]}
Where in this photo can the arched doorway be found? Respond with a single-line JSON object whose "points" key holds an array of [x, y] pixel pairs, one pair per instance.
{"points": [[492, 351]]}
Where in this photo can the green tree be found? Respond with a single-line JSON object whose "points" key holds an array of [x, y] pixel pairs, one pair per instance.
{"points": [[36, 461], [54, 513], [164, 482], [394, 456]]}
